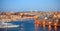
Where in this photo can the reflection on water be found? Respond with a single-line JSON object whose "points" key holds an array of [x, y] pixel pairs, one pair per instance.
{"points": [[55, 26], [22, 27], [49, 26], [36, 27], [46, 28], [30, 26], [44, 25]]}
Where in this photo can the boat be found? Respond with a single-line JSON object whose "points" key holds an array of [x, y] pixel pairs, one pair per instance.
{"points": [[8, 25]]}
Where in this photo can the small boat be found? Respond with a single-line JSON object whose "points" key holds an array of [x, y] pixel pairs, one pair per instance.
{"points": [[8, 25]]}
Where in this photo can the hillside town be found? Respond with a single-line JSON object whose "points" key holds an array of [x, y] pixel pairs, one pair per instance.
{"points": [[39, 16]]}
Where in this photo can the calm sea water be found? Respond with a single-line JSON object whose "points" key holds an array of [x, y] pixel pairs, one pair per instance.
{"points": [[29, 25]]}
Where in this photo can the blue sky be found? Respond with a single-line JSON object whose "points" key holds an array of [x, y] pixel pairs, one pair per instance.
{"points": [[29, 5]]}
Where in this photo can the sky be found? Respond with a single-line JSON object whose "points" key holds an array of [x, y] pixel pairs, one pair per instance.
{"points": [[29, 5]]}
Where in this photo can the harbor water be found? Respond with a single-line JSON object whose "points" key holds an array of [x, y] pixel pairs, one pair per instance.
{"points": [[28, 25]]}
